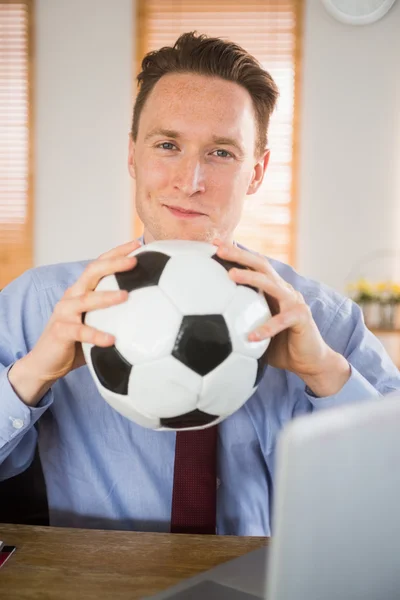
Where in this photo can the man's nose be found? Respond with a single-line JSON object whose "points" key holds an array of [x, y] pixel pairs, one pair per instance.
{"points": [[189, 176]]}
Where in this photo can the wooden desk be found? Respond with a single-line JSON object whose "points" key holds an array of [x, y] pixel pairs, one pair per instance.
{"points": [[69, 564]]}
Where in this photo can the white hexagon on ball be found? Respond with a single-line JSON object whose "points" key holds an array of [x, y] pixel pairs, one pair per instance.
{"points": [[229, 385], [148, 324], [247, 311], [106, 319], [123, 404], [197, 284], [107, 284], [164, 388]]}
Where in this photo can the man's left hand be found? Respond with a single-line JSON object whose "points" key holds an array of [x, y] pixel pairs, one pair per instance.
{"points": [[296, 343]]}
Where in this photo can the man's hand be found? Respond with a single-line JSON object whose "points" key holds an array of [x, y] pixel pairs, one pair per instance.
{"points": [[296, 343], [58, 350]]}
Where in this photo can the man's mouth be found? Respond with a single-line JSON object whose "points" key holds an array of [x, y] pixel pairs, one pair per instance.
{"points": [[183, 213]]}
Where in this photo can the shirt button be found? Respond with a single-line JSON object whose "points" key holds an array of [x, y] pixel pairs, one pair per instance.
{"points": [[218, 482], [17, 423]]}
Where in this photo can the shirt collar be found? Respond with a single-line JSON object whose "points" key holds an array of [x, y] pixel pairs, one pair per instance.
{"points": [[141, 240]]}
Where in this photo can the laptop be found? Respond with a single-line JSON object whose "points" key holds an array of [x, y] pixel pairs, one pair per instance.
{"points": [[336, 518]]}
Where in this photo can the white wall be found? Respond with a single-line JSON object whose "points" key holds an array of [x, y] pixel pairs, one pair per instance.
{"points": [[350, 139], [350, 145], [83, 112]]}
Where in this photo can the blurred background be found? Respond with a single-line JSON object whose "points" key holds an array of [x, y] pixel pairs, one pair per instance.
{"points": [[330, 203]]}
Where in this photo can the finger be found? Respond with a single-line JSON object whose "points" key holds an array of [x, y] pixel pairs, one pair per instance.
{"points": [[70, 308], [264, 283], [77, 332], [297, 316], [98, 269], [122, 250], [246, 258]]}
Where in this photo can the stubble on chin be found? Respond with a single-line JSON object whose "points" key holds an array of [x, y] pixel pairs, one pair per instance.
{"points": [[160, 230], [198, 235]]}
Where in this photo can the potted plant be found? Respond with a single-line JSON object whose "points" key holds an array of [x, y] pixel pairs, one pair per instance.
{"points": [[380, 303], [364, 293]]}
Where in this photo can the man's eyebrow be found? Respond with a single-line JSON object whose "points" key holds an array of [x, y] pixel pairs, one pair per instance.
{"points": [[176, 135], [170, 133], [227, 141]]}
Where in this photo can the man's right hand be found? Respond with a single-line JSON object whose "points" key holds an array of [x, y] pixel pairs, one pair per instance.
{"points": [[58, 350]]}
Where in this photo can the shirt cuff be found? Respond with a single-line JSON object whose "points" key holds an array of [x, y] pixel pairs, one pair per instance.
{"points": [[356, 389], [15, 416]]}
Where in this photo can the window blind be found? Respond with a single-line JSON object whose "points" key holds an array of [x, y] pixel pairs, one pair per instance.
{"points": [[271, 31], [15, 139]]}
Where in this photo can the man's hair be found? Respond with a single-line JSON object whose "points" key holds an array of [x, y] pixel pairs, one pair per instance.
{"points": [[213, 57]]}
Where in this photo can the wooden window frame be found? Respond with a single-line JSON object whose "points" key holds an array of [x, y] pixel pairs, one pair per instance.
{"points": [[6, 257]]}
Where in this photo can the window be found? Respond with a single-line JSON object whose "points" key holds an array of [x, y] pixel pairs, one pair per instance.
{"points": [[271, 31], [16, 177]]}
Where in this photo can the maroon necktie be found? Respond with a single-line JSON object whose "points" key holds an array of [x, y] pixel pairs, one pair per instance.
{"points": [[194, 495]]}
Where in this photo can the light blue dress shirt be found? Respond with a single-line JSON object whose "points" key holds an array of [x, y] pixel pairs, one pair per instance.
{"points": [[103, 471]]}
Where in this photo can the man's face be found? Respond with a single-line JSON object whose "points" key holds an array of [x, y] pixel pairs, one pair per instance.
{"points": [[194, 158]]}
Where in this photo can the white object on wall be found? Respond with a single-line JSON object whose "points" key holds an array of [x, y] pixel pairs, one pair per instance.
{"points": [[354, 12]]}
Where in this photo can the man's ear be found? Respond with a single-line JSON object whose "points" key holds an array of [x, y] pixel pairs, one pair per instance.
{"points": [[131, 157], [258, 173]]}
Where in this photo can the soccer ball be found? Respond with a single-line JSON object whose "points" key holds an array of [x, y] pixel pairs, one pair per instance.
{"points": [[181, 358]]}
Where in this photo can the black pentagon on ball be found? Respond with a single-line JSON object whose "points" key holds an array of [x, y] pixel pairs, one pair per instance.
{"points": [[111, 368], [261, 366], [228, 264], [147, 272], [195, 418], [203, 342]]}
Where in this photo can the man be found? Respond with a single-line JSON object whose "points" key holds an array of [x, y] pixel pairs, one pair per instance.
{"points": [[196, 150]]}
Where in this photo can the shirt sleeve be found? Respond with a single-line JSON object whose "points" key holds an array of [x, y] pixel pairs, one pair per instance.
{"points": [[22, 322], [373, 373], [356, 389]]}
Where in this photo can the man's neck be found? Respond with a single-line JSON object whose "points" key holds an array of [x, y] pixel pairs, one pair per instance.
{"points": [[147, 238]]}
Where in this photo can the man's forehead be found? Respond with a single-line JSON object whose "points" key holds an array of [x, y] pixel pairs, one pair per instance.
{"points": [[177, 98], [188, 89], [194, 81]]}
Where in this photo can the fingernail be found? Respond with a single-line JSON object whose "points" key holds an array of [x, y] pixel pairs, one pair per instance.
{"points": [[255, 336]]}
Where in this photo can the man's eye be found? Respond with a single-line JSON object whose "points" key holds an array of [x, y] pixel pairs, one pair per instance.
{"points": [[166, 146], [223, 154]]}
